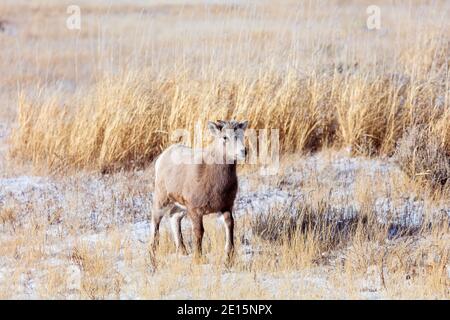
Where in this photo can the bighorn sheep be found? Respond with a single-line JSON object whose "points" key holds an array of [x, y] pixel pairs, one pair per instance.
{"points": [[199, 182]]}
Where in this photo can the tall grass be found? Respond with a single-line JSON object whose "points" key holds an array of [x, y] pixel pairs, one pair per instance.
{"points": [[319, 76], [108, 97], [126, 121]]}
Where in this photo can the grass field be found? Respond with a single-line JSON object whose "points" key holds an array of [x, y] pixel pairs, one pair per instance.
{"points": [[359, 209]]}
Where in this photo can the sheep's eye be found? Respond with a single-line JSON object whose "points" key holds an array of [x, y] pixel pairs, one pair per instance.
{"points": [[225, 138]]}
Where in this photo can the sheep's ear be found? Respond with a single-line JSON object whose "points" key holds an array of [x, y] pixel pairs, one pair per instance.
{"points": [[214, 128], [243, 125]]}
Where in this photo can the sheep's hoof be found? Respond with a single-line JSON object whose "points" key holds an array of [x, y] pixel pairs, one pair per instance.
{"points": [[229, 260], [182, 251], [153, 262], [198, 259]]}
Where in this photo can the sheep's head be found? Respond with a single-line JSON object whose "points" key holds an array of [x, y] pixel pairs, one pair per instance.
{"points": [[229, 139]]}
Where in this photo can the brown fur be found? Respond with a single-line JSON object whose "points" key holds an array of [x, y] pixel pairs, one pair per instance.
{"points": [[209, 188], [199, 189]]}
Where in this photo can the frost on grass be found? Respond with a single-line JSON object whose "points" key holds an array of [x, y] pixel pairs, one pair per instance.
{"points": [[98, 224], [99, 201]]}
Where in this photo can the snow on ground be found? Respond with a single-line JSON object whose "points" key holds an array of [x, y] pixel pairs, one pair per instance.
{"points": [[101, 201], [84, 207]]}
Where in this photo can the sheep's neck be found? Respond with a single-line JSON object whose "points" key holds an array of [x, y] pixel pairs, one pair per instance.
{"points": [[218, 171]]}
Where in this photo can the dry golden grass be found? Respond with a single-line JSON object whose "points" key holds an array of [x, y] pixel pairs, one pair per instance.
{"points": [[314, 258], [107, 98], [52, 247], [362, 100], [128, 121]]}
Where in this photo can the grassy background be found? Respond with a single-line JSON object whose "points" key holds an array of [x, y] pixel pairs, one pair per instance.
{"points": [[109, 95]]}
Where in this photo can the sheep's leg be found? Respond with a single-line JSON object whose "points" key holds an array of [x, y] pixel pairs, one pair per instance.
{"points": [[197, 230], [157, 215], [228, 220], [175, 225]]}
